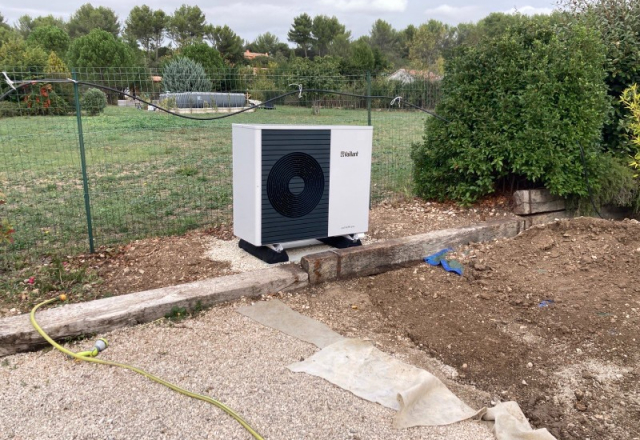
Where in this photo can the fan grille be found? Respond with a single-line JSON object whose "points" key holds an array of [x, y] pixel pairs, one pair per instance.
{"points": [[295, 185]]}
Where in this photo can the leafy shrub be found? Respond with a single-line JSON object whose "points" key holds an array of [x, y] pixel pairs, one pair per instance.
{"points": [[168, 103], [49, 38], [41, 99], [618, 22], [94, 101], [9, 109], [520, 105], [263, 87], [319, 73], [99, 49], [631, 100], [57, 69], [20, 60], [203, 54], [185, 75], [615, 184], [5, 228]]}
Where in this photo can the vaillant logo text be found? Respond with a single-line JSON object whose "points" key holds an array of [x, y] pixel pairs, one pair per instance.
{"points": [[348, 154]]}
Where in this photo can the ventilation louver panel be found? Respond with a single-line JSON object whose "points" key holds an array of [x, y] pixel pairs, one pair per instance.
{"points": [[295, 184]]}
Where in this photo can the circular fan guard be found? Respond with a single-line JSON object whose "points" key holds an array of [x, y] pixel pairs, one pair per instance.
{"points": [[286, 169]]}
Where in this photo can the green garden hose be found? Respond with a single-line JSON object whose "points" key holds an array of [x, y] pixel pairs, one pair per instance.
{"points": [[89, 356]]}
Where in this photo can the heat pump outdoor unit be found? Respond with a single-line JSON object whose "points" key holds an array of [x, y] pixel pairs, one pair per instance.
{"points": [[294, 183]]}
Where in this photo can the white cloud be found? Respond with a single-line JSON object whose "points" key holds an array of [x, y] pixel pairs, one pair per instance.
{"points": [[34, 12], [367, 5], [250, 23], [454, 14], [530, 10]]}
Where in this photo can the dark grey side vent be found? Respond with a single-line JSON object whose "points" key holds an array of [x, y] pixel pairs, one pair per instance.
{"points": [[295, 184]]}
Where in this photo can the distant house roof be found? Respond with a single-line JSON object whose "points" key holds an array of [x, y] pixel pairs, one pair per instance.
{"points": [[408, 76], [251, 55], [156, 79]]}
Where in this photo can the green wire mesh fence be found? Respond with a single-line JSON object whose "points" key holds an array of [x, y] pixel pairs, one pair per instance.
{"points": [[148, 173]]}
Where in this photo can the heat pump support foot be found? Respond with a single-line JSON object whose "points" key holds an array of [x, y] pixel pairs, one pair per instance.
{"points": [[341, 242], [265, 253]]}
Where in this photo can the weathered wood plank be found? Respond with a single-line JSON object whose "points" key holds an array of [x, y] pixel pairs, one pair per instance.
{"points": [[386, 255], [535, 201], [103, 315], [321, 267]]}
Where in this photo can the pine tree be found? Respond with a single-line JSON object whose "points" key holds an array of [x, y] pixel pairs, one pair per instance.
{"points": [[300, 32]]}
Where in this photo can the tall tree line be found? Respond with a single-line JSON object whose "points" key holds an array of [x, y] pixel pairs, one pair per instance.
{"points": [[150, 37]]}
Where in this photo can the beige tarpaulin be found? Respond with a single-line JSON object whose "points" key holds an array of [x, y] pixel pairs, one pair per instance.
{"points": [[278, 315], [420, 398], [511, 424], [357, 366]]}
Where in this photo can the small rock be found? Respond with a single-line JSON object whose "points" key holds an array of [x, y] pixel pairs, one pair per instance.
{"points": [[580, 406], [524, 382], [529, 365], [480, 266]]}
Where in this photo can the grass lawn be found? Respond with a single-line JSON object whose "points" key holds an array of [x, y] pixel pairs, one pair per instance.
{"points": [[151, 173]]}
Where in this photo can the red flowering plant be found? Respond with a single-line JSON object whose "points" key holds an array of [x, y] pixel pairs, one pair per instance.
{"points": [[41, 99]]}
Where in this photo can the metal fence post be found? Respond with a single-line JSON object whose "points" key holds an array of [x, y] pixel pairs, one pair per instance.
{"points": [[368, 98], [83, 162]]}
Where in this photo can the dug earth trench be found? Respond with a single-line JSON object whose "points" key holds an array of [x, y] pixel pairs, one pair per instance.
{"points": [[550, 319]]}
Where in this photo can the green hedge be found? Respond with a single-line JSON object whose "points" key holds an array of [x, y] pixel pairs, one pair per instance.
{"points": [[519, 106]]}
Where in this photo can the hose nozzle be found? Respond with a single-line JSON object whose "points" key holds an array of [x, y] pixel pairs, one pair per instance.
{"points": [[100, 345]]}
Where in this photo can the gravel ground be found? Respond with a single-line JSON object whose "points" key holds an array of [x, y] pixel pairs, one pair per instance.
{"points": [[43, 395], [241, 261], [228, 251]]}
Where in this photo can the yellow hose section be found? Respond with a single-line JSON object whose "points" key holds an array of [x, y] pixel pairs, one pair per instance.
{"points": [[79, 356]]}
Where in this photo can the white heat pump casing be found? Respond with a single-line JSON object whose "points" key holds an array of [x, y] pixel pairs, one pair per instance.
{"points": [[348, 189]]}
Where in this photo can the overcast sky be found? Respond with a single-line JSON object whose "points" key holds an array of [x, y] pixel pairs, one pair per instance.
{"points": [[249, 18]]}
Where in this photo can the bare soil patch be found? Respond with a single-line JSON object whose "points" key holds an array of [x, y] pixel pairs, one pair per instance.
{"points": [[140, 265], [396, 219], [166, 261], [550, 319], [156, 262]]}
